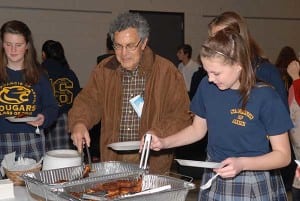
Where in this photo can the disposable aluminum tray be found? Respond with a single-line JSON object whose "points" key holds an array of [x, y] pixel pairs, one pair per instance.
{"points": [[41, 184], [178, 192]]}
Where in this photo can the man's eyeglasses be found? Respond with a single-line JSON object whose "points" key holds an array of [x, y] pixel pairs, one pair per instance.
{"points": [[129, 47]]}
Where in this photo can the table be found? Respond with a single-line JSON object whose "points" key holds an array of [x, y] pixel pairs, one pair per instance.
{"points": [[21, 194]]}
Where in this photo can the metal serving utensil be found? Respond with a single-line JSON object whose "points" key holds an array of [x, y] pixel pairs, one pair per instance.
{"points": [[87, 167], [145, 151]]}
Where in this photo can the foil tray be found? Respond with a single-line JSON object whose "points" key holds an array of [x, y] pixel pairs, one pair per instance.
{"points": [[42, 184], [178, 191]]}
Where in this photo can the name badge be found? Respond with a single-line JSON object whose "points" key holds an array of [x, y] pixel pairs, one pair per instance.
{"points": [[137, 103]]}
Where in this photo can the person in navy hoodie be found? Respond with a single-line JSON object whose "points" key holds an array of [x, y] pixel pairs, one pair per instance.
{"points": [[25, 91], [65, 86]]}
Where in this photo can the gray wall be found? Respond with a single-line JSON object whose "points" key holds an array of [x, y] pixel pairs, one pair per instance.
{"points": [[81, 25]]}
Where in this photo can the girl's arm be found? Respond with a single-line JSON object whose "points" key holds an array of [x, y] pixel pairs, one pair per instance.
{"points": [[280, 156], [188, 135]]}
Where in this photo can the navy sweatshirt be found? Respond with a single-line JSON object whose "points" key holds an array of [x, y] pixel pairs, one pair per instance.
{"points": [[64, 83], [18, 97]]}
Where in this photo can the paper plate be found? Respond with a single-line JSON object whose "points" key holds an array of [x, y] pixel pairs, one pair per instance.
{"points": [[202, 164], [125, 146], [23, 119]]}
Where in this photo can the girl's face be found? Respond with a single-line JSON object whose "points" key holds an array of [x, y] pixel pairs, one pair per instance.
{"points": [[15, 48], [224, 76]]}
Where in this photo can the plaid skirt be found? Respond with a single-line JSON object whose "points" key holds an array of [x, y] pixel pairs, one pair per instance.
{"points": [[28, 145], [57, 136], [247, 186]]}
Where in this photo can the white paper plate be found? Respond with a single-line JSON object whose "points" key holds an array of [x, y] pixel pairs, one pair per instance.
{"points": [[202, 164], [298, 162], [125, 146], [24, 119]]}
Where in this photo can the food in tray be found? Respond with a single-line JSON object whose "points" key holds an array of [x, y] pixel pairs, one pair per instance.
{"points": [[113, 189], [61, 181], [21, 118], [21, 115], [86, 171]]}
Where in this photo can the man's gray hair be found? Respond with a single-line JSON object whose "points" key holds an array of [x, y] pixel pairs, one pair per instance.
{"points": [[130, 20]]}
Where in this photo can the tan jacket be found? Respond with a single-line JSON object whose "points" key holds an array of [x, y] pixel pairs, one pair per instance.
{"points": [[165, 111]]}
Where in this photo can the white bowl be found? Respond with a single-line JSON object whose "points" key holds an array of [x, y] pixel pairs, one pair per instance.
{"points": [[61, 158]]}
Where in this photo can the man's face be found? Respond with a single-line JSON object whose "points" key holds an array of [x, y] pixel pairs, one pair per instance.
{"points": [[129, 48]]}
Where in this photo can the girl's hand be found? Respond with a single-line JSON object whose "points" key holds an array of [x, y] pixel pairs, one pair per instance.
{"points": [[298, 172], [40, 120], [231, 168], [293, 70], [156, 142]]}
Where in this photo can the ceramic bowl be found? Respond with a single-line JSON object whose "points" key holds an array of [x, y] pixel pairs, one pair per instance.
{"points": [[61, 158]]}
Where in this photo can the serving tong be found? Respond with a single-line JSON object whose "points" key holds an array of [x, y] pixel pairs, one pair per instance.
{"points": [[87, 168], [101, 196], [145, 151]]}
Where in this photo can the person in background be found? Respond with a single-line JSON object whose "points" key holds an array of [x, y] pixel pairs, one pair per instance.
{"points": [[24, 91], [235, 109], [285, 57], [187, 66], [197, 77], [293, 70], [134, 73], [65, 86], [109, 49], [263, 69]]}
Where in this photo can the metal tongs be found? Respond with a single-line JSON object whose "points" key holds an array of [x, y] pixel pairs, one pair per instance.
{"points": [[87, 167], [145, 151]]}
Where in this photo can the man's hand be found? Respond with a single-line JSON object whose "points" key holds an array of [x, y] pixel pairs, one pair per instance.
{"points": [[80, 136]]}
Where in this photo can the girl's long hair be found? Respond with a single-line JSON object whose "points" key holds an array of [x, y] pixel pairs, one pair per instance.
{"points": [[31, 65], [229, 45]]}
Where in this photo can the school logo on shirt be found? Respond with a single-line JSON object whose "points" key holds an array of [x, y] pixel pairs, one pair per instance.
{"points": [[15, 98], [240, 116]]}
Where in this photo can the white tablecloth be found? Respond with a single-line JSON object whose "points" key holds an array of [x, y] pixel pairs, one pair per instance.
{"points": [[21, 194]]}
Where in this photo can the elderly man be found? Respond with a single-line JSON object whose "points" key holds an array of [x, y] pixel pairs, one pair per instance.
{"points": [[135, 72]]}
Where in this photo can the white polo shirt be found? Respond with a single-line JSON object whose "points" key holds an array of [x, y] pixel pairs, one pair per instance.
{"points": [[188, 71]]}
